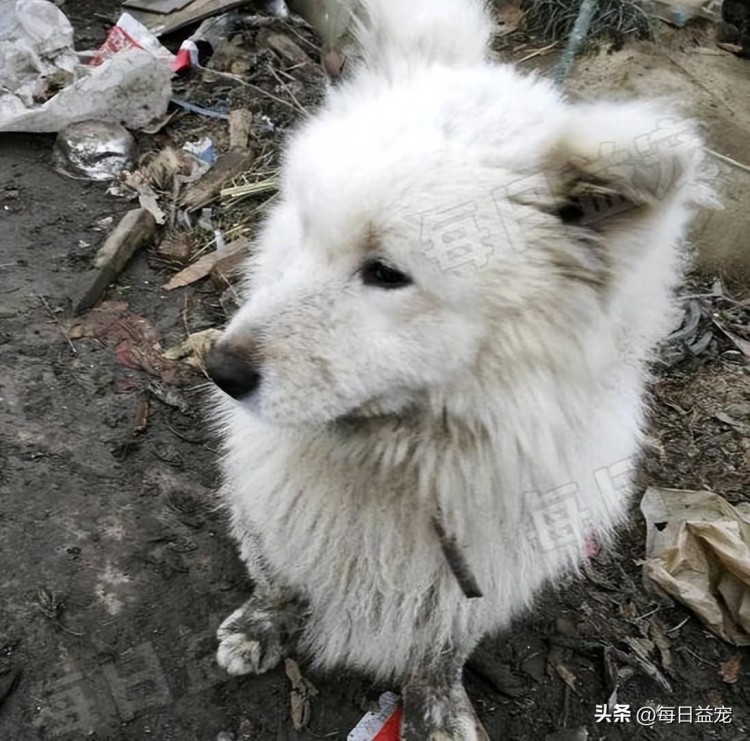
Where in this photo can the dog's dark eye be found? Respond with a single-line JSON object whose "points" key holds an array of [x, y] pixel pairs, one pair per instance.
{"points": [[376, 273], [571, 212]]}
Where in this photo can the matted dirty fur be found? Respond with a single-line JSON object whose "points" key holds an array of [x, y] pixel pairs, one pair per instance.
{"points": [[448, 319]]}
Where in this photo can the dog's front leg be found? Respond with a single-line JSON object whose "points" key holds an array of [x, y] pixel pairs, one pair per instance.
{"points": [[437, 708], [256, 637]]}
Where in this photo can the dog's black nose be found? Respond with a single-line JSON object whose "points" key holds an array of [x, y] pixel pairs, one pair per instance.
{"points": [[234, 373]]}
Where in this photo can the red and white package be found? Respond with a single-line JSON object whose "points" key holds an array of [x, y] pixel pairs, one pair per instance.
{"points": [[128, 34], [187, 56], [382, 725], [206, 38]]}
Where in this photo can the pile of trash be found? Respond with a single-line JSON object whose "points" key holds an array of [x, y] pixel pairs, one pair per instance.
{"points": [[45, 85], [177, 132]]}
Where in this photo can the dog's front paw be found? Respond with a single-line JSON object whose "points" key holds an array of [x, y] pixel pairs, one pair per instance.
{"points": [[437, 712], [240, 654], [250, 642]]}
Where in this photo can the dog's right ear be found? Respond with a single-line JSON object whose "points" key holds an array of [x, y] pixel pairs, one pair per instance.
{"points": [[392, 32]]}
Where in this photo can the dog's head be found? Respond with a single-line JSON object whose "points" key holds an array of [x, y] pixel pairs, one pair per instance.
{"points": [[436, 236], [420, 248]]}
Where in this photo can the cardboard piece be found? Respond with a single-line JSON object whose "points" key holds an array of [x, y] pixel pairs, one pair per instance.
{"points": [[698, 551], [162, 24]]}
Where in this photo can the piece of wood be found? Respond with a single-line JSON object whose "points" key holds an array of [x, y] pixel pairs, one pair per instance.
{"points": [[135, 229], [456, 560], [175, 247], [287, 49], [240, 125], [157, 6], [228, 166], [203, 266], [199, 10]]}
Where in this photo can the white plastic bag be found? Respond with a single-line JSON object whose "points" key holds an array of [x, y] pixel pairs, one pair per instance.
{"points": [[36, 42], [131, 87]]}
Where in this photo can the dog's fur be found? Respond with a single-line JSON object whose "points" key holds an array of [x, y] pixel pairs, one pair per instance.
{"points": [[506, 379]]}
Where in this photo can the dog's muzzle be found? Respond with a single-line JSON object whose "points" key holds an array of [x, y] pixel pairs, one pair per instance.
{"points": [[232, 371]]}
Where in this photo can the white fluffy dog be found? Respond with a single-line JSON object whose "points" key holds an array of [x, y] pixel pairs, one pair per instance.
{"points": [[437, 373]]}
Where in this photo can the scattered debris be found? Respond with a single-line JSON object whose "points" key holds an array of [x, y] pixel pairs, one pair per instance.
{"points": [[207, 37], [556, 664], [740, 342], [287, 49], [535, 666], [301, 693], [509, 16], [381, 724], [698, 551], [334, 23], [135, 229], [729, 670], [240, 128], [169, 396], [56, 320], [161, 178], [194, 349], [697, 335], [93, 150], [731, 422], [157, 6], [142, 351], [203, 150], [202, 267], [128, 33], [229, 301], [163, 23], [104, 224], [253, 187], [142, 415], [136, 341], [642, 649], [52, 607], [680, 12], [228, 166], [227, 269], [633, 661], [45, 87], [175, 247], [611, 20], [662, 642], [497, 674], [201, 110]]}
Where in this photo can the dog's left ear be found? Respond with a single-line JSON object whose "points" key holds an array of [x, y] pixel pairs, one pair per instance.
{"points": [[615, 162]]}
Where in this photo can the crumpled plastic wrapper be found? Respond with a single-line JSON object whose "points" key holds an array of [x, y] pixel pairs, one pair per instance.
{"points": [[698, 551], [94, 150]]}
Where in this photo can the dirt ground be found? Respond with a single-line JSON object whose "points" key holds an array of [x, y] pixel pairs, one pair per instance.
{"points": [[115, 565]]}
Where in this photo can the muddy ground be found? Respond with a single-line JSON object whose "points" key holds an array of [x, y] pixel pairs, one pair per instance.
{"points": [[115, 567]]}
